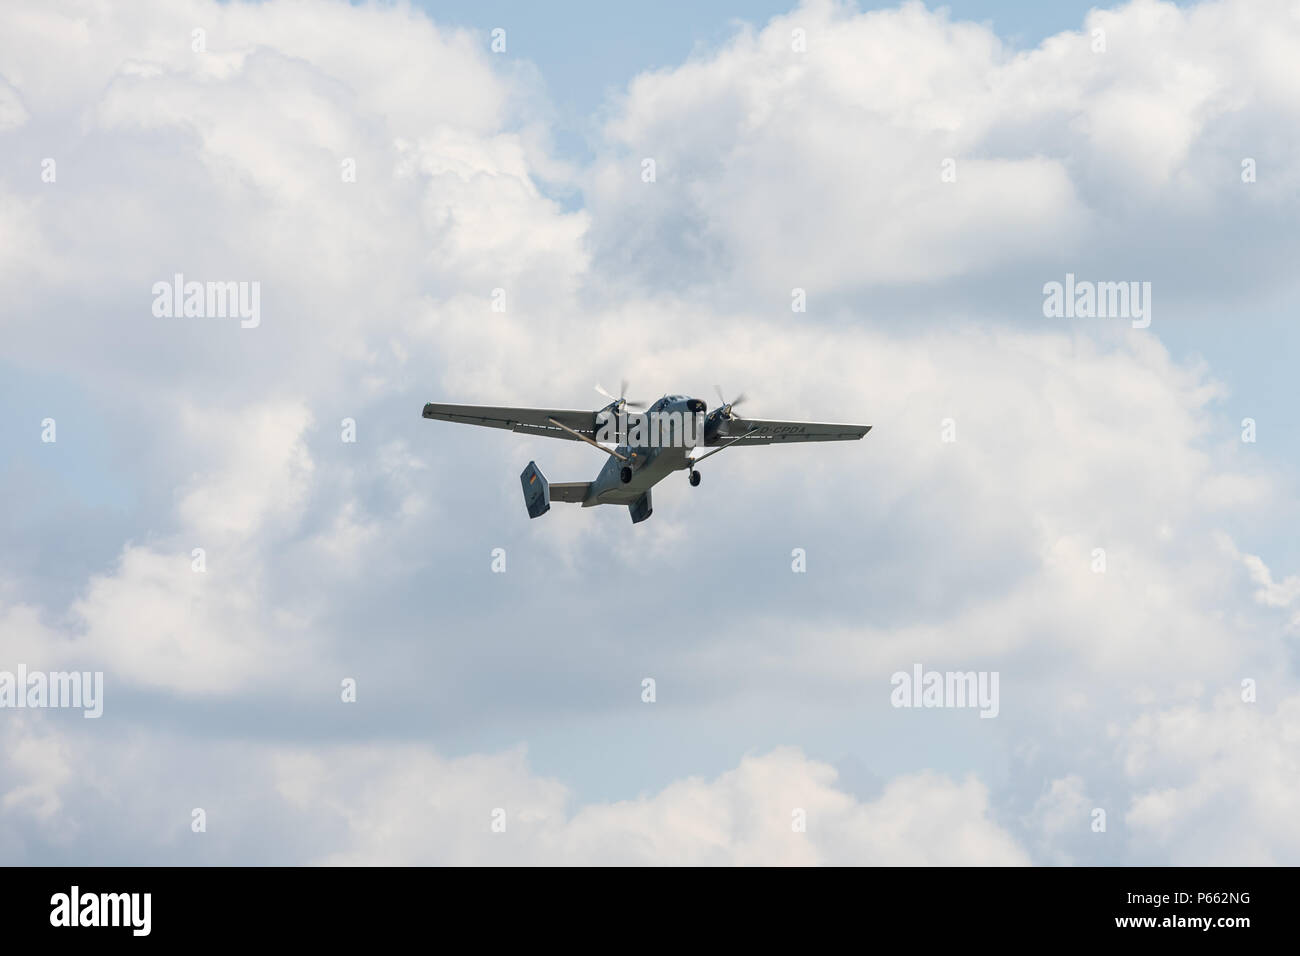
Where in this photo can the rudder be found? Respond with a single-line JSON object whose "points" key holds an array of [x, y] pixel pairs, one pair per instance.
{"points": [[537, 490]]}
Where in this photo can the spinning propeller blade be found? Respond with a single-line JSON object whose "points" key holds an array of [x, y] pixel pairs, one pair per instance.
{"points": [[727, 406], [622, 400]]}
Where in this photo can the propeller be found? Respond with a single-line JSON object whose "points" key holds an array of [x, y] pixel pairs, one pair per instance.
{"points": [[727, 406], [622, 401]]}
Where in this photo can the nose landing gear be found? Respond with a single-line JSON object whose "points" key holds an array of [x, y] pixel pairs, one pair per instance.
{"points": [[694, 478]]}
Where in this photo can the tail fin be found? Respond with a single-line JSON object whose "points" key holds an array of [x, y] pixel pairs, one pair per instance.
{"points": [[537, 490]]}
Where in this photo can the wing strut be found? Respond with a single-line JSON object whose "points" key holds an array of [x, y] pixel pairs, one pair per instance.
{"points": [[696, 461], [593, 444]]}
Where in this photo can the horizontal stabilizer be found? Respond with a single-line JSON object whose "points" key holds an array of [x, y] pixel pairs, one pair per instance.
{"points": [[575, 491]]}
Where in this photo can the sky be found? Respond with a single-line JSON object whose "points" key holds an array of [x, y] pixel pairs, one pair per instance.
{"points": [[318, 650]]}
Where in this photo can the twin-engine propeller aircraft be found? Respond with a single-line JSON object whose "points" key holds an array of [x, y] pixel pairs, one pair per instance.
{"points": [[649, 446]]}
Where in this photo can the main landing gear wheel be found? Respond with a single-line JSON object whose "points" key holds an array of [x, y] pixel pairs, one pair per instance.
{"points": [[695, 478], [625, 475]]}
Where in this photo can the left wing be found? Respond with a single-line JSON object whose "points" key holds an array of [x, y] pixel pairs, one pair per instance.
{"points": [[530, 421], [772, 433]]}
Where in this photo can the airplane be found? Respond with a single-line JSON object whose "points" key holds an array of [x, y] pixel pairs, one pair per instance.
{"points": [[650, 446]]}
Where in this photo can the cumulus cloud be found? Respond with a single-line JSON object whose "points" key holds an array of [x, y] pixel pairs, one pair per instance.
{"points": [[898, 146], [1269, 591], [406, 805], [12, 113], [1216, 784], [776, 809], [1062, 817]]}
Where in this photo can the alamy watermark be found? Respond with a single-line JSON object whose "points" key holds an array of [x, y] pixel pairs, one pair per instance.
{"points": [[953, 689], [653, 430], [40, 689], [130, 910], [209, 300], [1083, 299]]}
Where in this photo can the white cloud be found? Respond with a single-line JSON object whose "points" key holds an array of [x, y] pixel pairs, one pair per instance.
{"points": [[407, 805], [1272, 593], [12, 113], [1216, 784], [1062, 818], [824, 169]]}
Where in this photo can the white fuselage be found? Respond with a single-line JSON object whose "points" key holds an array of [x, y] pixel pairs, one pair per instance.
{"points": [[647, 465]]}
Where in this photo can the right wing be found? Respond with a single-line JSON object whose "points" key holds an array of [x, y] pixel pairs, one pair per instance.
{"points": [[766, 432], [530, 421]]}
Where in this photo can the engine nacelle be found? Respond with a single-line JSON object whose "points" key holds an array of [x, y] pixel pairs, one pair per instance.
{"points": [[716, 425]]}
